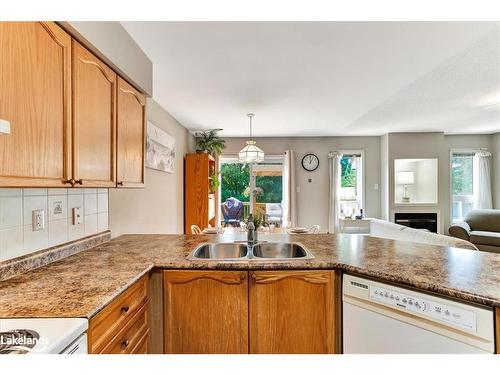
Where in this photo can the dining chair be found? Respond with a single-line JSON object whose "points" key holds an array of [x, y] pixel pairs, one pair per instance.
{"points": [[195, 229], [314, 229]]}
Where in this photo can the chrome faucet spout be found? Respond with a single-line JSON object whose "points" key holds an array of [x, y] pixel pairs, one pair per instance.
{"points": [[251, 231]]}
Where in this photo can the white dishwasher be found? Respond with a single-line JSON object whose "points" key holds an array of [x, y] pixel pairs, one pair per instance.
{"points": [[382, 318]]}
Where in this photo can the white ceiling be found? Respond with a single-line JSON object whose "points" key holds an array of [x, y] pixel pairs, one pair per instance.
{"points": [[326, 78]]}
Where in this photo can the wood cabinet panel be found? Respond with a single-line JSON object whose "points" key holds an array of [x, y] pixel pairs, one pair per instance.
{"points": [[131, 121], [129, 338], [94, 120], [198, 168], [35, 96], [292, 312], [104, 326], [206, 312]]}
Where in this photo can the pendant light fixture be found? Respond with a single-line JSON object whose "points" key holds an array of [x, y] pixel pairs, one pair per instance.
{"points": [[251, 153]]}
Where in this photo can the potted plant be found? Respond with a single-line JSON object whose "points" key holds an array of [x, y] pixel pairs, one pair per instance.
{"points": [[208, 141], [214, 182]]}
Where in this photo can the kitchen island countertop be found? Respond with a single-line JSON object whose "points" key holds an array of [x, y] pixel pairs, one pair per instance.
{"points": [[82, 284]]}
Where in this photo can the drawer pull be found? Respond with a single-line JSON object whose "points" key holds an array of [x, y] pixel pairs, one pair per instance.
{"points": [[124, 343], [125, 309]]}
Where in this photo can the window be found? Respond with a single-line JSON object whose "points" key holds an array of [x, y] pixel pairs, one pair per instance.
{"points": [[351, 184], [259, 187], [462, 184]]}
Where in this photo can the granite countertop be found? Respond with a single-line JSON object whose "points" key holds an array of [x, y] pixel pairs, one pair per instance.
{"points": [[82, 284]]}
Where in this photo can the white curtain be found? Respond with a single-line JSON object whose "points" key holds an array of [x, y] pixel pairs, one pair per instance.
{"points": [[334, 194], [289, 203], [482, 188]]}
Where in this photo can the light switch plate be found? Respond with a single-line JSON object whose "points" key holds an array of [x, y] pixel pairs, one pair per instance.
{"points": [[38, 220], [77, 215]]}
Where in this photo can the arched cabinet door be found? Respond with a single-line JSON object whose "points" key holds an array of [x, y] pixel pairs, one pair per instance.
{"points": [[131, 122], [294, 312], [94, 120], [205, 312], [35, 98]]}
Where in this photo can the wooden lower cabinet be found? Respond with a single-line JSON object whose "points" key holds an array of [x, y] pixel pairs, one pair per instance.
{"points": [[269, 312], [205, 312], [122, 327], [292, 312]]}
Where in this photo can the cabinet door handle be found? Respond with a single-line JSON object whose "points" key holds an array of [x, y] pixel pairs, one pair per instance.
{"points": [[79, 181], [71, 181], [125, 309], [119, 183], [125, 343]]}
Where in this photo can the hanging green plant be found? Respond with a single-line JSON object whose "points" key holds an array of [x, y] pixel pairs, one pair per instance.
{"points": [[210, 142]]}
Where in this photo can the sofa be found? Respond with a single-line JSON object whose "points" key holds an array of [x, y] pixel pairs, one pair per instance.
{"points": [[481, 227], [386, 229]]}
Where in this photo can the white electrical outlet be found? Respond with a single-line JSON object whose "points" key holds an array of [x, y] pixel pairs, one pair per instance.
{"points": [[77, 215], [38, 220]]}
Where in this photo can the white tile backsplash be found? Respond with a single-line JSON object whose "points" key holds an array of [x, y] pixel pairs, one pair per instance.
{"points": [[75, 201], [11, 192], [11, 243], [90, 203], [102, 202], [35, 240], [17, 237], [57, 191], [58, 232], [32, 203], [90, 224], [102, 221], [58, 207], [11, 212], [28, 192], [75, 231]]}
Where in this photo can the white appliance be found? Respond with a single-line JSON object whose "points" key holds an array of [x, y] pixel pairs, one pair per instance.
{"points": [[43, 335], [382, 318]]}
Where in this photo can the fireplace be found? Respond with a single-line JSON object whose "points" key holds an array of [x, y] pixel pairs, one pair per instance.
{"points": [[418, 220]]}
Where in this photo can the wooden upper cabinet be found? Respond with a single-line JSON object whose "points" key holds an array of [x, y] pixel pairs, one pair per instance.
{"points": [[35, 97], [205, 312], [293, 312], [130, 135], [94, 120]]}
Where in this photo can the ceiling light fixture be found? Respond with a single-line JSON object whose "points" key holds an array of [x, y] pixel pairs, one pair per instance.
{"points": [[251, 153]]}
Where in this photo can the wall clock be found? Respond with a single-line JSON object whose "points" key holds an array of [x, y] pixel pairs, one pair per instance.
{"points": [[310, 162]]}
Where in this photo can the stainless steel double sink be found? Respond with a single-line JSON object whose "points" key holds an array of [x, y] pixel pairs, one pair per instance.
{"points": [[243, 251]]}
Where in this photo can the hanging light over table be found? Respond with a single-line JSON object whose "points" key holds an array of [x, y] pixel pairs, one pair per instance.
{"points": [[251, 153]]}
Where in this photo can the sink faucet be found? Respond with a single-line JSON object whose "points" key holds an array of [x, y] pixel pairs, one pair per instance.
{"points": [[251, 231]]}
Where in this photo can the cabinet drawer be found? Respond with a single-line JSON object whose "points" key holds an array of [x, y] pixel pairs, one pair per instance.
{"points": [[129, 338], [107, 323], [143, 345]]}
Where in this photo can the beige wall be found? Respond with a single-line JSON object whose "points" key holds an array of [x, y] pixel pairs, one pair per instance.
{"points": [[495, 146], [114, 45], [158, 208], [312, 200]]}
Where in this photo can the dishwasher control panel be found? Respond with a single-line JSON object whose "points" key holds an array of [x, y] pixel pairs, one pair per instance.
{"points": [[452, 315]]}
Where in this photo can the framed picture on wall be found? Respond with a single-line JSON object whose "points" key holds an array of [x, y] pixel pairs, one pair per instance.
{"points": [[160, 149]]}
